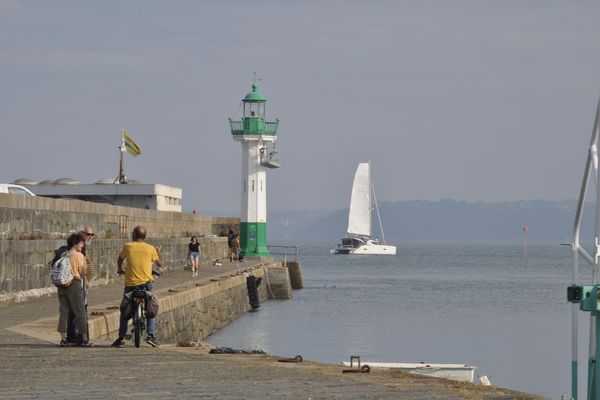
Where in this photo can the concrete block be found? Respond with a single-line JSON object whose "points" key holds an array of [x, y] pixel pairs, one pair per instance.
{"points": [[278, 282]]}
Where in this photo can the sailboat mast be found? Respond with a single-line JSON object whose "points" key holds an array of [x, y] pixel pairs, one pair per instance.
{"points": [[378, 215], [370, 203]]}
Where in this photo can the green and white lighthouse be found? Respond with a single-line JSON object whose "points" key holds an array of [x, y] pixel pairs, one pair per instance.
{"points": [[257, 137]]}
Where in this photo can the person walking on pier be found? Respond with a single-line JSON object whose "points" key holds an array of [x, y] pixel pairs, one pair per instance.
{"points": [[235, 248], [70, 296], [138, 274], [230, 236], [194, 251]]}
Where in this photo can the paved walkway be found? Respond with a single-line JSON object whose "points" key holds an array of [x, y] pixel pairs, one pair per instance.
{"points": [[32, 365], [41, 322]]}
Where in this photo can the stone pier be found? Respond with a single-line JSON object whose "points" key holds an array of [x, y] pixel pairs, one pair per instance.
{"points": [[34, 366]]}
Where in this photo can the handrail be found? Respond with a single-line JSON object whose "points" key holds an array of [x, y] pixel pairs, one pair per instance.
{"points": [[237, 127], [284, 252], [271, 127]]}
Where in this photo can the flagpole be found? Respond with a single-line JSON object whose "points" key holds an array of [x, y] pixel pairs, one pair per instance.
{"points": [[127, 144], [122, 179]]}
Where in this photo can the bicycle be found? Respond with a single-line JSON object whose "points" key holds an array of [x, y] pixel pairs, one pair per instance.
{"points": [[138, 297], [140, 315]]}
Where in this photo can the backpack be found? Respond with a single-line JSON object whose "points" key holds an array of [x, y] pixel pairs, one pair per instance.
{"points": [[62, 274], [152, 304], [126, 306]]}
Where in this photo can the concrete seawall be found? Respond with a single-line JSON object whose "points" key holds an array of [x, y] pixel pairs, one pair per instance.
{"points": [[191, 313], [190, 309]]}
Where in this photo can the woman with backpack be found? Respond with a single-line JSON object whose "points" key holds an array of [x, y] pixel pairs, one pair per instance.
{"points": [[70, 294]]}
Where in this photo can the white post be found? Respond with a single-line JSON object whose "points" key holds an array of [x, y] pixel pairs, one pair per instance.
{"points": [[591, 164]]}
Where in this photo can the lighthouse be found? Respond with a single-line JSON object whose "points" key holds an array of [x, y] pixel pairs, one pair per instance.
{"points": [[257, 137]]}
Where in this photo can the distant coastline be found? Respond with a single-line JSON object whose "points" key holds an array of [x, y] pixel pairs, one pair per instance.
{"points": [[441, 221]]}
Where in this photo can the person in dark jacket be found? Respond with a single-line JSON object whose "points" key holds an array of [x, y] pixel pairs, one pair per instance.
{"points": [[230, 236], [193, 253]]}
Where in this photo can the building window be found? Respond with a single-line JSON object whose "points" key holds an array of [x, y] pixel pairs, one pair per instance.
{"points": [[253, 185]]}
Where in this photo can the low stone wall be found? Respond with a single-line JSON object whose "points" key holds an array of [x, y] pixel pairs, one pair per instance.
{"points": [[24, 263], [32, 227], [36, 217], [193, 314]]}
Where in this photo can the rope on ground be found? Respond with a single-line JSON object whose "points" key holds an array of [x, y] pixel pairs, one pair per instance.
{"points": [[228, 350], [296, 359], [365, 369]]}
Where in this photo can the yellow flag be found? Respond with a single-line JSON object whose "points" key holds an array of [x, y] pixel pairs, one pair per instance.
{"points": [[130, 145]]}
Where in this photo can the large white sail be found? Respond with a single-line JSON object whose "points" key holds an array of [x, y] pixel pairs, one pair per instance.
{"points": [[359, 218]]}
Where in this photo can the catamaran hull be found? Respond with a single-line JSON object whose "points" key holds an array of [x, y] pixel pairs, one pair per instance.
{"points": [[369, 249], [379, 249], [341, 251], [455, 372]]}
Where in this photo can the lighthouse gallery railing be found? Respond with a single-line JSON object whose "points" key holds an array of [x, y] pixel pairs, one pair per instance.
{"points": [[237, 127]]}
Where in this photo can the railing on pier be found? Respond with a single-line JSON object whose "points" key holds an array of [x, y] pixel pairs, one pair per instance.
{"points": [[285, 251], [292, 265]]}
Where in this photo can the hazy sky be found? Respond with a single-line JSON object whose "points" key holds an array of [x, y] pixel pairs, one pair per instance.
{"points": [[470, 100]]}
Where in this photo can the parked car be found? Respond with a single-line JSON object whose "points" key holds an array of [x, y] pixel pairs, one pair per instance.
{"points": [[15, 189]]}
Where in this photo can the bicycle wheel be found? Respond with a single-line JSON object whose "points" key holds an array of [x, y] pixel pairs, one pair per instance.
{"points": [[137, 325]]}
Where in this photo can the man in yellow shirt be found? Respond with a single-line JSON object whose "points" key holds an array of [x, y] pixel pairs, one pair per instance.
{"points": [[138, 274]]}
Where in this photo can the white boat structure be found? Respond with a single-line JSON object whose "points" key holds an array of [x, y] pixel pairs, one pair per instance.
{"points": [[455, 372], [360, 240]]}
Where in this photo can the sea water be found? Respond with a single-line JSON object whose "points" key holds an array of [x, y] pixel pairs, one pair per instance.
{"points": [[500, 307]]}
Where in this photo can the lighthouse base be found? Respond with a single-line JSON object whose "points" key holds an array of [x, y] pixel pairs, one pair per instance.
{"points": [[253, 240]]}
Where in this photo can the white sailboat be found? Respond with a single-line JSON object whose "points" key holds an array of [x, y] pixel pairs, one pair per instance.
{"points": [[360, 240]]}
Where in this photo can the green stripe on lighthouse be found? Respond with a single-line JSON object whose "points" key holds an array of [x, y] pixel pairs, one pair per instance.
{"points": [[253, 239]]}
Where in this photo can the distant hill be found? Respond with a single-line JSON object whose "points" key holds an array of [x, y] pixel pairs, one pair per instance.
{"points": [[445, 220]]}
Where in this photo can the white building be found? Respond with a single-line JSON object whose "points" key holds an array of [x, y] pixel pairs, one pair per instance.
{"points": [[133, 194]]}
